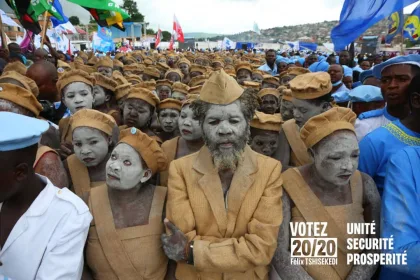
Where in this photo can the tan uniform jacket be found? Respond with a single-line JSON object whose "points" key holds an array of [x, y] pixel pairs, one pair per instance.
{"points": [[299, 155], [233, 238], [169, 148]]}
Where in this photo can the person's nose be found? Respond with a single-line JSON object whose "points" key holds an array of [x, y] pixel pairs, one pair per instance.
{"points": [[224, 129]]}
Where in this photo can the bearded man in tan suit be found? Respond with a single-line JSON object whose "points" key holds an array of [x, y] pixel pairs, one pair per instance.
{"points": [[224, 202]]}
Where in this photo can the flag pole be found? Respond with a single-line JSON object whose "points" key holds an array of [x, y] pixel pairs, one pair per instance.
{"points": [[44, 28], [3, 36], [402, 41]]}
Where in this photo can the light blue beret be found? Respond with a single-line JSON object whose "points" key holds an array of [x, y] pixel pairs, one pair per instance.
{"points": [[321, 66], [365, 74], [348, 72], [413, 59], [366, 94], [341, 96], [19, 131]]}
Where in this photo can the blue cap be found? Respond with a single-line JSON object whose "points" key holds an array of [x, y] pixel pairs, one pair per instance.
{"points": [[341, 96], [301, 60], [365, 74], [413, 59], [366, 94], [19, 131], [348, 72], [321, 66]]}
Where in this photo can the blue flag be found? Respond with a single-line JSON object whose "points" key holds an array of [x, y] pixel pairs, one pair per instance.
{"points": [[55, 21], [395, 25], [412, 25], [358, 15]]}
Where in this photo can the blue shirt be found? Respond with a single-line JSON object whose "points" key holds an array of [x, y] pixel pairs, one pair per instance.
{"points": [[401, 212], [267, 69], [378, 146]]}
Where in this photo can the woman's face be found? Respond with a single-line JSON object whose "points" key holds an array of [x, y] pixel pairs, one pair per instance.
{"points": [[100, 96], [90, 145], [336, 157], [78, 96], [189, 125], [168, 119], [124, 169], [136, 113]]}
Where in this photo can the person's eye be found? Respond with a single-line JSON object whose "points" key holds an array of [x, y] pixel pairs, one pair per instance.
{"points": [[233, 121], [78, 144], [113, 157], [93, 142], [334, 158], [70, 96], [214, 122], [272, 143], [127, 162], [259, 143], [355, 156]]}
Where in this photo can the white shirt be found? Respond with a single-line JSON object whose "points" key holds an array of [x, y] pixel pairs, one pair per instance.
{"points": [[267, 69], [47, 242], [366, 125]]}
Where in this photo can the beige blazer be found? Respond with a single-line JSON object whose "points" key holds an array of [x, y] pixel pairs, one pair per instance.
{"points": [[235, 239]]}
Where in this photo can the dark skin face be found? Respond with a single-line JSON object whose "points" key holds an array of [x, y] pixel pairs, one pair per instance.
{"points": [[270, 104], [348, 82], [257, 78], [372, 81], [173, 77], [281, 67], [184, 68], [40, 54], [378, 60], [336, 73], [394, 83], [146, 77], [243, 75], [365, 65], [270, 57], [312, 59], [331, 60], [344, 58], [264, 142], [46, 79]]}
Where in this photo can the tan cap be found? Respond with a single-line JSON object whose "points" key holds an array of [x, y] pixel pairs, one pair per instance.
{"points": [[266, 121], [177, 71], [243, 65], [164, 82], [198, 68], [170, 103], [75, 76], [104, 82], [94, 119], [152, 71], [198, 80], [20, 96], [269, 91], [27, 83], [144, 94], [311, 85], [180, 87], [220, 89]]}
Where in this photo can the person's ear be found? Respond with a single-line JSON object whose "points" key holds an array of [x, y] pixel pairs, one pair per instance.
{"points": [[415, 100], [21, 172], [146, 176]]}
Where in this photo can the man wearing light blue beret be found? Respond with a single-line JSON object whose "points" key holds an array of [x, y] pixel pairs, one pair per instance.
{"points": [[43, 229]]}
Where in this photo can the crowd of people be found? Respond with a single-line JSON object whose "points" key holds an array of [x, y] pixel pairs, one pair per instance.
{"points": [[195, 164]]}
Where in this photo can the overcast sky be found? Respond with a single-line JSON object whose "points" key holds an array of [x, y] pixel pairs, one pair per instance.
{"points": [[229, 16]]}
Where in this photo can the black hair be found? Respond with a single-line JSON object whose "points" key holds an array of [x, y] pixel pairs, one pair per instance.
{"points": [[415, 70], [342, 68], [414, 86], [325, 98], [249, 103], [270, 50]]}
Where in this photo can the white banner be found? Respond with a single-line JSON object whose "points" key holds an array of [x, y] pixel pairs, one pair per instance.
{"points": [[7, 20], [228, 44]]}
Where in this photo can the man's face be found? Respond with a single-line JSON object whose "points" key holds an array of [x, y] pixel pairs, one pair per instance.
{"points": [[90, 146], [378, 60], [178, 96], [265, 143], [106, 71], [344, 58], [243, 75], [46, 85], [256, 77], [305, 109], [226, 132], [270, 104], [372, 81], [348, 82], [336, 73], [168, 119], [286, 110], [12, 172], [365, 65], [270, 57], [78, 96], [136, 113], [163, 92], [184, 68], [40, 54], [394, 83], [282, 66], [173, 77], [312, 59]]}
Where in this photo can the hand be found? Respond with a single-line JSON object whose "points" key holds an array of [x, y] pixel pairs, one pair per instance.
{"points": [[47, 41], [66, 149], [174, 244]]}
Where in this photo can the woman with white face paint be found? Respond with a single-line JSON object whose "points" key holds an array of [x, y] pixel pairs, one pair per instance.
{"points": [[191, 139], [124, 238], [92, 144], [104, 95], [138, 111], [168, 114], [76, 89], [328, 190]]}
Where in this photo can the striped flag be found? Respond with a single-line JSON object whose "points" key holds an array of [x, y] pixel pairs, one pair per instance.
{"points": [[171, 43], [179, 34], [158, 38]]}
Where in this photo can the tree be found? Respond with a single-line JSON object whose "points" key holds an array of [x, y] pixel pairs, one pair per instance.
{"points": [[166, 36], [74, 20], [150, 31], [130, 6]]}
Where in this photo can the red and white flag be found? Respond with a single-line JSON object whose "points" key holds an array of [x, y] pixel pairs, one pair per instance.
{"points": [[179, 35], [171, 43], [158, 38]]}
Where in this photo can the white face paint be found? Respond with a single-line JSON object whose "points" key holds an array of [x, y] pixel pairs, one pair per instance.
{"points": [[100, 96], [136, 113], [303, 110], [168, 119], [78, 96], [188, 124], [90, 145], [106, 71], [124, 169], [336, 157], [178, 96]]}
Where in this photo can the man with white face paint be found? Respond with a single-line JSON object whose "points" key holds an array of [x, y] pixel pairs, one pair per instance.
{"points": [[76, 89], [104, 66], [92, 144], [190, 141], [224, 202], [104, 94], [184, 65], [168, 114], [123, 241], [310, 97], [329, 190]]}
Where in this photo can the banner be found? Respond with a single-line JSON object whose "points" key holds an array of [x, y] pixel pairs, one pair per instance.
{"points": [[412, 25], [395, 26], [98, 44], [7, 20], [228, 44], [104, 33], [294, 45]]}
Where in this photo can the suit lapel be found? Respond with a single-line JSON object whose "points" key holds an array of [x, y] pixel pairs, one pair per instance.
{"points": [[212, 187], [241, 182], [20, 227]]}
